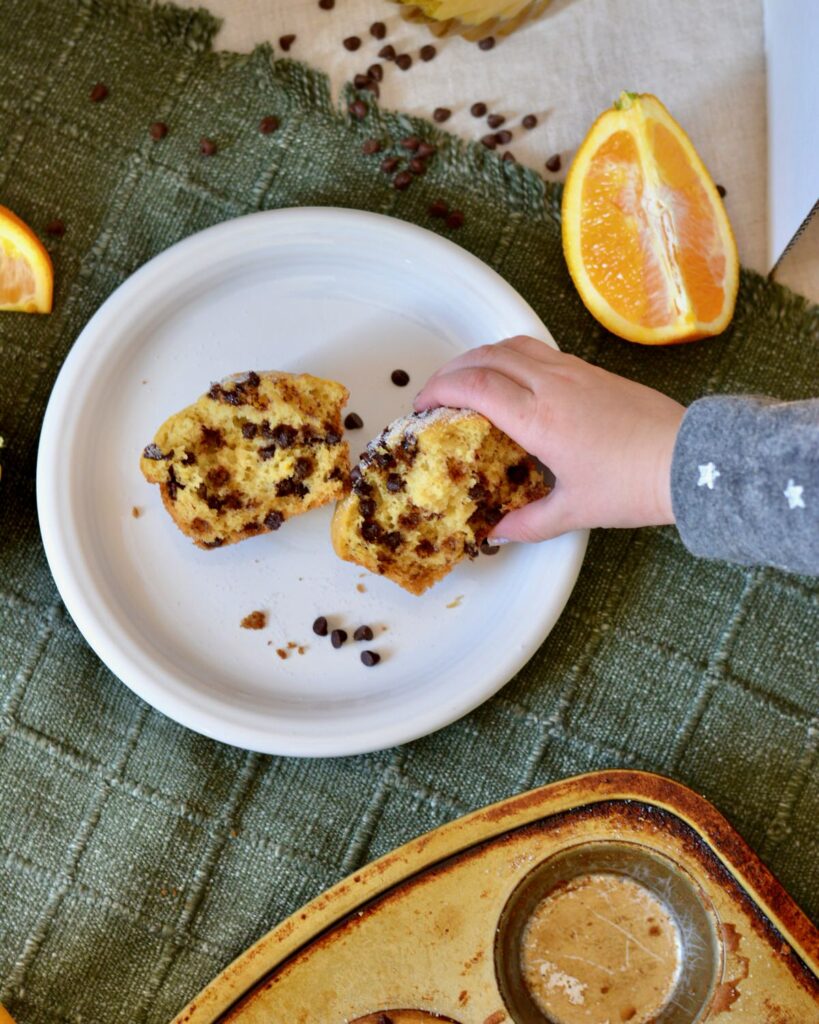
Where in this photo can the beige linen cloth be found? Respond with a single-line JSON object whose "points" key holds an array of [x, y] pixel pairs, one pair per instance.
{"points": [[703, 58]]}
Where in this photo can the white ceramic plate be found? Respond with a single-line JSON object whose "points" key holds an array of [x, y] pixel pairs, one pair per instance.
{"points": [[340, 294]]}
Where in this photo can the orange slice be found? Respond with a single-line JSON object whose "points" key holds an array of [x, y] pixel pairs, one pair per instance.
{"points": [[645, 233], [26, 274]]}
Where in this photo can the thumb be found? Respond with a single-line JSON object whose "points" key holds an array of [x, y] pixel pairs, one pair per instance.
{"points": [[540, 520]]}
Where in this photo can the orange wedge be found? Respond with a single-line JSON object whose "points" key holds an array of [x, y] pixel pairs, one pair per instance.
{"points": [[26, 274], [645, 233]]}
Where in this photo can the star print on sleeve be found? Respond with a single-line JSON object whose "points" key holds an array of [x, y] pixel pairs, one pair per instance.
{"points": [[708, 475], [793, 492]]}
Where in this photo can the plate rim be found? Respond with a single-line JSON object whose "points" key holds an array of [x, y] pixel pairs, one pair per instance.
{"points": [[57, 530]]}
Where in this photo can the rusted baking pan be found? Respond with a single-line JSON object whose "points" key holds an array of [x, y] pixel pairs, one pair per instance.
{"points": [[611, 898]]}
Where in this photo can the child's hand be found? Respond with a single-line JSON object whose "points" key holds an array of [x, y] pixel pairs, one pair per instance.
{"points": [[608, 440]]}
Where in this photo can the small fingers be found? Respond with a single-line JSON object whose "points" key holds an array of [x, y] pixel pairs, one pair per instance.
{"points": [[516, 365], [501, 400], [534, 348]]}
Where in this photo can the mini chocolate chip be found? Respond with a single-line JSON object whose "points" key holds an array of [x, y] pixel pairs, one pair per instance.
{"points": [[371, 532], [189, 460], [426, 149], [370, 658], [493, 515], [489, 549], [55, 228], [284, 435], [360, 485], [173, 484], [402, 180], [269, 124], [404, 61], [338, 637], [158, 130], [352, 421], [320, 626], [389, 164], [217, 542], [358, 109], [509, 157], [154, 452], [361, 81], [490, 141], [487, 43], [495, 120], [363, 633], [400, 378], [477, 492], [252, 380], [367, 506], [273, 520], [303, 468], [517, 474], [387, 52], [370, 146], [289, 487], [376, 72], [721, 190], [553, 163], [331, 437], [438, 208], [504, 137], [393, 540], [352, 43], [477, 109], [427, 52], [327, 5], [267, 452], [386, 460], [98, 93], [411, 142], [378, 30], [441, 114], [417, 166], [207, 147], [285, 42], [455, 220], [218, 476], [395, 483], [529, 122], [425, 548]]}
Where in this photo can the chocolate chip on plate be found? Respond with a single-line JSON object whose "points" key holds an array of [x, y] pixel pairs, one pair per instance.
{"points": [[402, 180], [378, 30], [376, 72], [477, 109], [441, 114], [320, 626], [269, 124], [358, 109], [553, 163], [363, 633], [529, 122], [400, 378], [207, 147], [722, 191], [98, 93], [387, 52], [370, 658], [338, 637], [352, 43], [352, 421], [285, 42], [504, 137], [427, 52], [158, 130], [487, 43], [404, 61], [495, 120]]}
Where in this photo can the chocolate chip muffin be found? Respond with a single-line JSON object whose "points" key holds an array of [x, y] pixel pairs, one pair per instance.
{"points": [[257, 449], [427, 492]]}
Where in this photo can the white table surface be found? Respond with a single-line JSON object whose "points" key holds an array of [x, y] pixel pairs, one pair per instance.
{"points": [[703, 58]]}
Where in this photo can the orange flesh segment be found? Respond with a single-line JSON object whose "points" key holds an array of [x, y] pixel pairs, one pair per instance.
{"points": [[16, 277]]}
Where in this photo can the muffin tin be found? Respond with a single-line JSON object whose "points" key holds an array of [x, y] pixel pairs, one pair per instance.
{"points": [[611, 898]]}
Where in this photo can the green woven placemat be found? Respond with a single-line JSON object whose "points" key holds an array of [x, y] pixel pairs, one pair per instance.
{"points": [[137, 857]]}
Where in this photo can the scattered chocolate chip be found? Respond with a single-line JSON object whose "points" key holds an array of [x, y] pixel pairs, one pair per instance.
{"points": [[249, 431], [477, 109], [285, 435], [256, 620], [490, 141], [455, 220], [387, 52], [378, 30], [371, 532], [98, 93], [376, 72], [358, 109], [320, 626], [402, 180], [489, 549], [509, 157], [372, 86], [285, 42], [367, 507], [55, 228], [291, 488], [495, 120], [722, 191], [269, 124], [411, 142], [504, 137], [400, 378], [529, 122], [363, 633], [404, 61], [427, 52], [389, 164], [488, 43], [207, 147], [158, 130], [267, 452], [417, 166], [370, 658], [553, 163], [438, 209], [338, 637], [327, 5], [395, 483], [273, 520], [352, 43], [441, 114], [361, 81], [352, 421], [370, 146]]}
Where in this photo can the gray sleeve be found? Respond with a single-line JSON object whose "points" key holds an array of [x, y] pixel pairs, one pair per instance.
{"points": [[745, 481]]}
